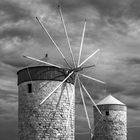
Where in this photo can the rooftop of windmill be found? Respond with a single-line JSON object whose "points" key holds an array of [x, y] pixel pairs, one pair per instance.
{"points": [[110, 100]]}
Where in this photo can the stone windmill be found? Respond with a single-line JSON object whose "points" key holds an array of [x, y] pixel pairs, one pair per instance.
{"points": [[47, 95], [113, 124]]}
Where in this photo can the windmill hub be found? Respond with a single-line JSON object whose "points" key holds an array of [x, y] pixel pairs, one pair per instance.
{"points": [[75, 70]]}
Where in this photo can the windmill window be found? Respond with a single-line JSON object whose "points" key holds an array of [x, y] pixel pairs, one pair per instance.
{"points": [[29, 88], [107, 113]]}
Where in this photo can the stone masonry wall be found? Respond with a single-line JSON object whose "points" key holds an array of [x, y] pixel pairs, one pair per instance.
{"points": [[46, 122], [110, 127]]}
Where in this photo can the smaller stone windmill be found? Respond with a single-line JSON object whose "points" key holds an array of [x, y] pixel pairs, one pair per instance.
{"points": [[113, 124]]}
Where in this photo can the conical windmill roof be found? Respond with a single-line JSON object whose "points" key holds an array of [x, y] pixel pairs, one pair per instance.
{"points": [[110, 100]]}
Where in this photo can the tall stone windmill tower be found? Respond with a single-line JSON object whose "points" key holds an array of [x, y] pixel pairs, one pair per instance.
{"points": [[53, 119], [112, 125]]}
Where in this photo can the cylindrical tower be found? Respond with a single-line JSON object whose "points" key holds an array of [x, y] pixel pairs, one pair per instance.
{"points": [[52, 120], [113, 124]]}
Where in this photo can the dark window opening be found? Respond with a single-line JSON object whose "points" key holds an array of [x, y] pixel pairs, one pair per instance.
{"points": [[30, 88], [107, 113]]}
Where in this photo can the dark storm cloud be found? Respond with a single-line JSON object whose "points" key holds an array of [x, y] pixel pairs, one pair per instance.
{"points": [[8, 104], [8, 95], [117, 8], [23, 34], [6, 70], [133, 106], [112, 8], [2, 111], [135, 92], [17, 61], [134, 10], [133, 61], [114, 88], [98, 91], [112, 12], [66, 4], [14, 11], [105, 7]]}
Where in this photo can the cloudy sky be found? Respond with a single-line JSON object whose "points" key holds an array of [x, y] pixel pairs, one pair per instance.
{"points": [[113, 26]]}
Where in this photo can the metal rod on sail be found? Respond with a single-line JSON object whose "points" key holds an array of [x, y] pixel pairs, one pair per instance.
{"points": [[89, 57], [66, 33], [56, 88], [90, 97], [83, 34], [53, 41], [41, 61], [84, 104], [92, 78]]}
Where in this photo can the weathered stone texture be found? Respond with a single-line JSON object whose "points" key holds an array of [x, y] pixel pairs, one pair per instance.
{"points": [[43, 122], [112, 126]]}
